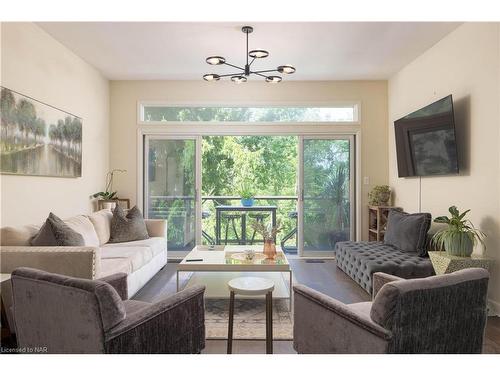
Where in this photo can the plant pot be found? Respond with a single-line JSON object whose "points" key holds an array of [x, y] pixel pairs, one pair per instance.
{"points": [[269, 249], [247, 202], [459, 244]]}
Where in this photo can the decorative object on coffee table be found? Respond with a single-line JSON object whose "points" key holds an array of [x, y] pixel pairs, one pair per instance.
{"points": [[38, 139], [446, 263], [460, 236], [268, 232], [251, 286], [377, 220], [380, 195]]}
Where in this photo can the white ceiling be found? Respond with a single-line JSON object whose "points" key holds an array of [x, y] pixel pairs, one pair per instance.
{"points": [[319, 51]]}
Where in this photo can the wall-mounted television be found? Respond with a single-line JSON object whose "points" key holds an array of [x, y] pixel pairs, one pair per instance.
{"points": [[425, 141]]}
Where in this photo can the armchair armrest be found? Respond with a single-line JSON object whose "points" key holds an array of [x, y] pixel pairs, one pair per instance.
{"points": [[380, 279], [119, 282], [324, 325], [78, 261], [173, 325], [156, 227]]}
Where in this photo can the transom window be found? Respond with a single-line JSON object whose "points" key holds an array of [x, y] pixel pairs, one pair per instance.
{"points": [[163, 113]]}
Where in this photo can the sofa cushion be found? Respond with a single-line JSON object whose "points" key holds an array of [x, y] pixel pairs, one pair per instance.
{"points": [[81, 224], [18, 236], [127, 227], [55, 232], [102, 224], [408, 232], [110, 266], [137, 256], [156, 244]]}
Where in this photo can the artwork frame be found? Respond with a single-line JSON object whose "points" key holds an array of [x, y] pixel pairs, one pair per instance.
{"points": [[38, 139]]}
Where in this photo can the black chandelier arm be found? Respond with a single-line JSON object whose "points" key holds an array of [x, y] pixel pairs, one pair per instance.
{"points": [[264, 71], [234, 66], [256, 73], [251, 62], [229, 75]]}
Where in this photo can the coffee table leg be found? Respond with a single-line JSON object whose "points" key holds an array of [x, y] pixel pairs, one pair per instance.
{"points": [[269, 323], [230, 325]]}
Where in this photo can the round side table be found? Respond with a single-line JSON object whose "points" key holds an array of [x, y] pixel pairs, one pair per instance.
{"points": [[251, 286]]}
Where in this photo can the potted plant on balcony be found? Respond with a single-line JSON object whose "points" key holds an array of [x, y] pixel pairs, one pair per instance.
{"points": [[247, 194], [460, 236]]}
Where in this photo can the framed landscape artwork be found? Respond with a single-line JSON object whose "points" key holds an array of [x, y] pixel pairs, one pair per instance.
{"points": [[38, 139]]}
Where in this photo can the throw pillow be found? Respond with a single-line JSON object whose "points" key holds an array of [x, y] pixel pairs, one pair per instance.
{"points": [[82, 224], [56, 233], [102, 224], [408, 232], [127, 227]]}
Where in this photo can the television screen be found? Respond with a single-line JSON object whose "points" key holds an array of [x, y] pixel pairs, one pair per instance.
{"points": [[425, 141]]}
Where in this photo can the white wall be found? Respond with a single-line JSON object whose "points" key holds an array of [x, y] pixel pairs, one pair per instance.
{"points": [[35, 64], [126, 94], [465, 64]]}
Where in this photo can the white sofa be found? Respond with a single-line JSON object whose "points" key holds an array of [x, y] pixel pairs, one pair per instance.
{"points": [[140, 260]]}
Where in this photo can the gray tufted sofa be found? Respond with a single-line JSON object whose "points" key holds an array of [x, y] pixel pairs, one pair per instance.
{"points": [[360, 260]]}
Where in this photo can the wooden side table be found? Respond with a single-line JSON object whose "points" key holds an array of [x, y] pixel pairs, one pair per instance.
{"points": [[251, 286], [102, 203], [377, 221], [445, 263]]}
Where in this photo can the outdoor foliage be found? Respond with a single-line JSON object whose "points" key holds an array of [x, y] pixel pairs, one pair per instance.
{"points": [[264, 165]]}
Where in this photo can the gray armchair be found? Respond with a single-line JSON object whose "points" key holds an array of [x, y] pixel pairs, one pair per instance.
{"points": [[437, 314], [69, 315]]}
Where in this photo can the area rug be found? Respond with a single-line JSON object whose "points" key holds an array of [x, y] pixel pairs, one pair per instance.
{"points": [[249, 319]]}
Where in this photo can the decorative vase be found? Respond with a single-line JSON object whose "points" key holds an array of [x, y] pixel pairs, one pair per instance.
{"points": [[269, 249], [247, 202], [460, 245]]}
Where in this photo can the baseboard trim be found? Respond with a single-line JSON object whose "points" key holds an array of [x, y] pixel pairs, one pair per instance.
{"points": [[493, 308]]}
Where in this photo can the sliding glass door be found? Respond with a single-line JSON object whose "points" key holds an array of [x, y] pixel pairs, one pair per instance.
{"points": [[326, 204], [170, 187]]}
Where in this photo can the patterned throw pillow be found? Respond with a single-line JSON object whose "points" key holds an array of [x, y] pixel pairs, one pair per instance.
{"points": [[56, 233], [127, 227]]}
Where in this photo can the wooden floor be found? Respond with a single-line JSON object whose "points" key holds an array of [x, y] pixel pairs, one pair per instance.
{"points": [[324, 277]]}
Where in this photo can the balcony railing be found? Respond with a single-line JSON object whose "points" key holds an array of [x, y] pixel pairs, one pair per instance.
{"points": [[180, 212]]}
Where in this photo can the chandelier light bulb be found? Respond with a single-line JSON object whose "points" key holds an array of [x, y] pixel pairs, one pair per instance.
{"points": [[211, 77], [239, 79], [258, 53], [273, 79], [215, 60], [286, 69]]}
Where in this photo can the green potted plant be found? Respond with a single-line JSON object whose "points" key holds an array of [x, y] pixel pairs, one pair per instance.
{"points": [[460, 236], [380, 195], [108, 193], [247, 194]]}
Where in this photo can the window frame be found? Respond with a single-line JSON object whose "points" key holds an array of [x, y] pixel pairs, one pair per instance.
{"points": [[260, 104]]}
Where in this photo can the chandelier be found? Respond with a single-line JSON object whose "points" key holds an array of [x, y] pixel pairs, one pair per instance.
{"points": [[243, 73]]}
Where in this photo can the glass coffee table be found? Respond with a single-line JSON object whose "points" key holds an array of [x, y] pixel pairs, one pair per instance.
{"points": [[214, 266]]}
